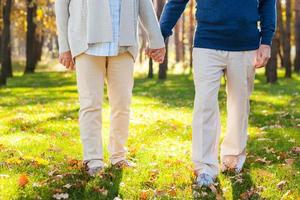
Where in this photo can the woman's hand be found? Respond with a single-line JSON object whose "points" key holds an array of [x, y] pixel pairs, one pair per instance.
{"points": [[158, 55], [66, 60]]}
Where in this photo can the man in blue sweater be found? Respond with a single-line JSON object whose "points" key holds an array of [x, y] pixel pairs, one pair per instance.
{"points": [[232, 37]]}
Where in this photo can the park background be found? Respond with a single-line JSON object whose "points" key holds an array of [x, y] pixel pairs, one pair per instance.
{"points": [[40, 150]]}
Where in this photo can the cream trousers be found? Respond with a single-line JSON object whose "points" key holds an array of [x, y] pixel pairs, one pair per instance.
{"points": [[91, 73], [209, 67]]}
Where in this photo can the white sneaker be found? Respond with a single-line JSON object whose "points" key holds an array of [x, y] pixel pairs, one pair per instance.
{"points": [[233, 163], [94, 171], [93, 167], [204, 180]]}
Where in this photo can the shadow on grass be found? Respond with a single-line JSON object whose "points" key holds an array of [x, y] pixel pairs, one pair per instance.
{"points": [[78, 185], [205, 193]]}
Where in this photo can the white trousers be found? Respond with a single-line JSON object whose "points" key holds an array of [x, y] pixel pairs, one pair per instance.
{"points": [[209, 67], [91, 73]]}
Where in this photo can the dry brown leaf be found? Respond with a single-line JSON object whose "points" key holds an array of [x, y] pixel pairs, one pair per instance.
{"points": [[296, 150], [67, 186], [144, 195], [262, 161], [23, 180], [219, 196], [281, 184], [103, 191], [248, 194], [289, 161], [172, 191], [61, 196], [159, 193], [213, 188]]}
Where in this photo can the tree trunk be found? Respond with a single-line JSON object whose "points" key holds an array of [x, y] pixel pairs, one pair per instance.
{"points": [[163, 67], [271, 68], [0, 43], [162, 72], [150, 72], [31, 41], [287, 41], [297, 36], [178, 41], [191, 33], [6, 69]]}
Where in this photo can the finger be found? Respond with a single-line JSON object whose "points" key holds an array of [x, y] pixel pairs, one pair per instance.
{"points": [[67, 64], [156, 58], [60, 60], [265, 62], [148, 51], [155, 53], [63, 62], [259, 60], [71, 65], [160, 60]]}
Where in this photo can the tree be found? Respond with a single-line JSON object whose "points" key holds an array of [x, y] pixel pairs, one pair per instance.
{"points": [[191, 33], [31, 41], [287, 41], [163, 68], [6, 66], [297, 36], [271, 68], [178, 36]]}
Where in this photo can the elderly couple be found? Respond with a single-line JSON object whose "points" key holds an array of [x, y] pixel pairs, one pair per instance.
{"points": [[232, 37]]}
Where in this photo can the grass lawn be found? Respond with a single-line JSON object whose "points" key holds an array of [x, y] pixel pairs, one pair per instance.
{"points": [[40, 149]]}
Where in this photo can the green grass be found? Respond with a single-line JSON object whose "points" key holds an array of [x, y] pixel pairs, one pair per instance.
{"points": [[39, 137]]}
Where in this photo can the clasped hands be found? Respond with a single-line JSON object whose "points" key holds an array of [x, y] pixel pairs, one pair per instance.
{"points": [[158, 55]]}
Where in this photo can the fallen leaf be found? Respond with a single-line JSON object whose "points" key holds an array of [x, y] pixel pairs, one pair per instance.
{"points": [[61, 196], [159, 193], [269, 150], [286, 195], [296, 150], [53, 172], [248, 194], [103, 191], [144, 195], [67, 186], [23, 180], [4, 176], [172, 191], [281, 184], [289, 161], [219, 196], [262, 161], [213, 188], [263, 139]]}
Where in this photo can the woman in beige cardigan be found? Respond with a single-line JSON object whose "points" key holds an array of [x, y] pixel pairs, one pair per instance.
{"points": [[99, 37]]}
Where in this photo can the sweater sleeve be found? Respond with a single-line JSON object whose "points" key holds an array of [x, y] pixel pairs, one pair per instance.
{"points": [[62, 18], [150, 23], [170, 15], [267, 11]]}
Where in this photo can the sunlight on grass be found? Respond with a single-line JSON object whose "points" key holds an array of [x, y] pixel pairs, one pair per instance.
{"points": [[40, 138]]}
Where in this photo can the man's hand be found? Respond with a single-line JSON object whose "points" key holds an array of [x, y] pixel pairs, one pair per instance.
{"points": [[158, 55], [263, 55], [66, 60]]}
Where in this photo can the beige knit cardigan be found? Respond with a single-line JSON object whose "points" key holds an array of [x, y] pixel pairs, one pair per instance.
{"points": [[80, 22]]}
